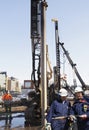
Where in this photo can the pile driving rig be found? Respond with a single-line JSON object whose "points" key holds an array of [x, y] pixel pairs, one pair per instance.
{"points": [[37, 109], [41, 97], [73, 65]]}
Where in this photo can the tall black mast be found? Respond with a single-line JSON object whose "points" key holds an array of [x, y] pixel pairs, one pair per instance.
{"points": [[57, 52]]}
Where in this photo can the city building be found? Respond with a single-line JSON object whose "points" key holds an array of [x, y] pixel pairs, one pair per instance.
{"points": [[9, 83]]}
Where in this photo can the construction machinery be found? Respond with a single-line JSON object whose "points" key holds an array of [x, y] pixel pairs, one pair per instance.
{"points": [[40, 76], [73, 65], [40, 99], [57, 53]]}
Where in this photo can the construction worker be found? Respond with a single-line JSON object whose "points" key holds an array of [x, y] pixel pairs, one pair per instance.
{"points": [[7, 98], [80, 109], [58, 112]]}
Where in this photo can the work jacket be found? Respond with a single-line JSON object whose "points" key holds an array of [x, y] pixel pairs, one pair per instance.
{"points": [[81, 107], [58, 109]]}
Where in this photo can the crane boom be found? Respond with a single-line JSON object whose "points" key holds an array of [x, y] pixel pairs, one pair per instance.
{"points": [[73, 65]]}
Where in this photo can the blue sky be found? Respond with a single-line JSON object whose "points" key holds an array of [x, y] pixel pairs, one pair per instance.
{"points": [[15, 42]]}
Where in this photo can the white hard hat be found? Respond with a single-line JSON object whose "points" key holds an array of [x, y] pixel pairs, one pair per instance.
{"points": [[78, 89], [63, 92]]}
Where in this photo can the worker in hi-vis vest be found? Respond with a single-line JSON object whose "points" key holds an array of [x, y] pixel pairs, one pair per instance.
{"points": [[7, 98]]}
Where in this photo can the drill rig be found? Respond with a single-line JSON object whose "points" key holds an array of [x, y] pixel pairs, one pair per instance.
{"points": [[35, 41], [35, 114], [36, 111], [73, 65]]}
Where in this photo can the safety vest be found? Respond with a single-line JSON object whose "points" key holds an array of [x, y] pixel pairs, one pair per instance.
{"points": [[7, 97]]}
